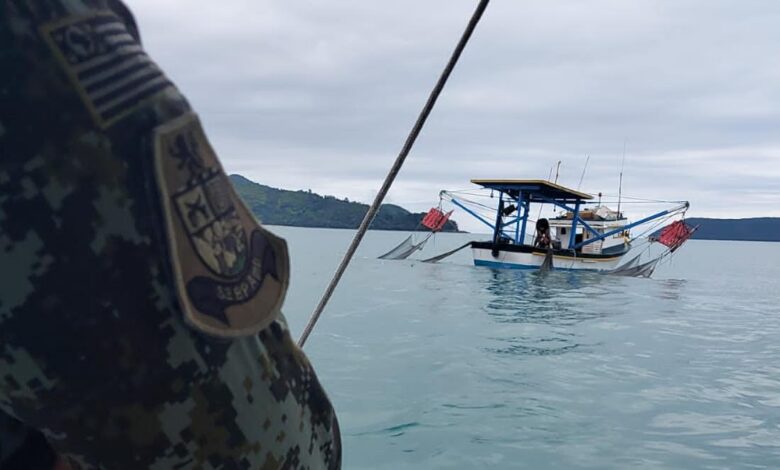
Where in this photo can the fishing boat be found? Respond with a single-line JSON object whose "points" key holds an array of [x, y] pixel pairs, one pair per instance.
{"points": [[585, 235]]}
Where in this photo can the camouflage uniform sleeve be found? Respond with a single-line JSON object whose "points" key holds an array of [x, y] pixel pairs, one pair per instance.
{"points": [[23, 448], [140, 322]]}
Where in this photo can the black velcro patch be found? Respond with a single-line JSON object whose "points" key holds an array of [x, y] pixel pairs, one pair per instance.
{"points": [[107, 65]]}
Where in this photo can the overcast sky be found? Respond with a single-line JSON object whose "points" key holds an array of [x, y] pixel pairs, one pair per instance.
{"points": [[321, 94]]}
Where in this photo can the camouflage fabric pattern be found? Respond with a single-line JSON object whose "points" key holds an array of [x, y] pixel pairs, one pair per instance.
{"points": [[93, 349], [23, 448]]}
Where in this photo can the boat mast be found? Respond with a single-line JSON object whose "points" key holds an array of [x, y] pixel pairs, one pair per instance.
{"points": [[584, 169], [549, 177], [620, 186]]}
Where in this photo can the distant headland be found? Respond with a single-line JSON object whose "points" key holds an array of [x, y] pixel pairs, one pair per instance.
{"points": [[275, 206], [760, 229]]}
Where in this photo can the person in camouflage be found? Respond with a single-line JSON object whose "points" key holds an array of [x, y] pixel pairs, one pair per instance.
{"points": [[140, 322]]}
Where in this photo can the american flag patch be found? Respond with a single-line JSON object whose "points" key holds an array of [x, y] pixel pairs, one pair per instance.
{"points": [[106, 63]]}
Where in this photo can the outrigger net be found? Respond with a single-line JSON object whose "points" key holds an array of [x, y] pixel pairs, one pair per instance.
{"points": [[634, 269], [673, 236], [406, 248], [434, 220]]}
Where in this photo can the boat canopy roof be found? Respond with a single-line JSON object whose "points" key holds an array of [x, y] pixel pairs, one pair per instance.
{"points": [[538, 188]]}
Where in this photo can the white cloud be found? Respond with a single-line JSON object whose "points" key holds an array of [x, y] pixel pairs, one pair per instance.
{"points": [[305, 94]]}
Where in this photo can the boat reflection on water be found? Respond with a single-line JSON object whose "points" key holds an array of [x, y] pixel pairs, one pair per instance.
{"points": [[541, 312], [671, 289], [524, 296]]}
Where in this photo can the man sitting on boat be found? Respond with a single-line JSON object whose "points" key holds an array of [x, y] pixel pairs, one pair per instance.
{"points": [[543, 239]]}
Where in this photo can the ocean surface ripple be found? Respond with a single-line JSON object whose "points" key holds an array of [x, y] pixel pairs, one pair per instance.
{"points": [[452, 366]]}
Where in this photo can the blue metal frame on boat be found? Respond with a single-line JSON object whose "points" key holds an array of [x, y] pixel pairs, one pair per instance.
{"points": [[632, 225], [471, 212], [522, 193]]}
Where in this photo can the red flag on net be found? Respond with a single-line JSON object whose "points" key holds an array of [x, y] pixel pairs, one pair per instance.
{"points": [[676, 234], [435, 219]]}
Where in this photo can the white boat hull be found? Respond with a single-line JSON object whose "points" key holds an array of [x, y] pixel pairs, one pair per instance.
{"points": [[518, 260]]}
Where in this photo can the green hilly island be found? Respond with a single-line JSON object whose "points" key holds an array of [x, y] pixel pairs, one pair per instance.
{"points": [[306, 209], [275, 206]]}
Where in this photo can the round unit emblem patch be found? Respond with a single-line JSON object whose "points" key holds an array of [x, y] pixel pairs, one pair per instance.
{"points": [[231, 274]]}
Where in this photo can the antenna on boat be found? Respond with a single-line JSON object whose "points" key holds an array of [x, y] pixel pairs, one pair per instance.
{"points": [[549, 177], [557, 171], [582, 176], [620, 186]]}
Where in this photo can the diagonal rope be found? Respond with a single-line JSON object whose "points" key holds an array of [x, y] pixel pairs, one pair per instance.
{"points": [[440, 257], [415, 132]]}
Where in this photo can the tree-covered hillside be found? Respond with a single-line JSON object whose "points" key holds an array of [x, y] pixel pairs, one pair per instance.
{"points": [[306, 209], [758, 229]]}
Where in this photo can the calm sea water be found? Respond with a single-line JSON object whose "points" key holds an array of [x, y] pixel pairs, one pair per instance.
{"points": [[453, 366]]}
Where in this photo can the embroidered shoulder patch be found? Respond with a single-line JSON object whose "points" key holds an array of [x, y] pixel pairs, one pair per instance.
{"points": [[106, 64], [231, 274]]}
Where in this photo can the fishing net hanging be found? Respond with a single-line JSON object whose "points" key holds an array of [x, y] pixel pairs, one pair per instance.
{"points": [[405, 249], [434, 220], [673, 236], [632, 269]]}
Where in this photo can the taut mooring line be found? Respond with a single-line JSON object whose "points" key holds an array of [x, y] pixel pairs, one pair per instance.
{"points": [[415, 132]]}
